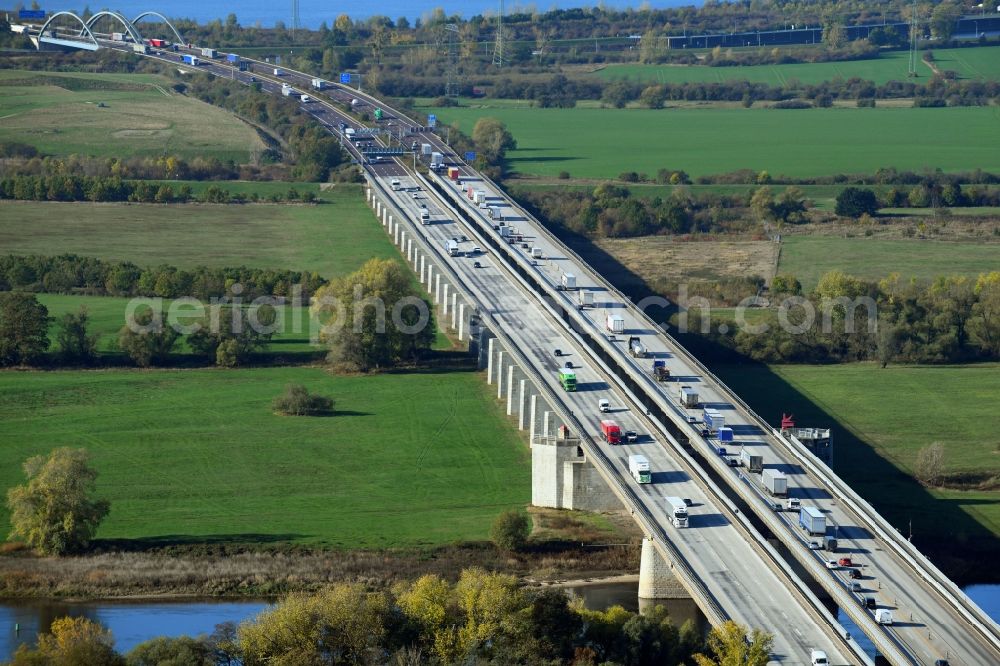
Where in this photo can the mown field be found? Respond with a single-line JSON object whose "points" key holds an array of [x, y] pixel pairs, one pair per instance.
{"points": [[981, 63], [881, 419], [809, 257], [334, 239], [60, 114], [602, 143], [196, 455]]}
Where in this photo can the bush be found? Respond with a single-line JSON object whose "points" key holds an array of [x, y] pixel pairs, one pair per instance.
{"points": [[855, 202], [792, 104], [510, 530], [296, 401]]}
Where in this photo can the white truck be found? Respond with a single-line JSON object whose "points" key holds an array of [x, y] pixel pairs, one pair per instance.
{"points": [[636, 348], [425, 219], [567, 282], [318, 84], [752, 461], [775, 482], [209, 53], [437, 161], [278, 72], [394, 183], [586, 299], [349, 133], [812, 521], [687, 396], [537, 253], [638, 467], [679, 511], [452, 248], [615, 323], [286, 90], [479, 197]]}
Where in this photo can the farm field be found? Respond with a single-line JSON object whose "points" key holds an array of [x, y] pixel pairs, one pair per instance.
{"points": [[59, 114], [809, 257], [881, 418], [796, 143], [333, 239], [197, 455], [981, 63]]}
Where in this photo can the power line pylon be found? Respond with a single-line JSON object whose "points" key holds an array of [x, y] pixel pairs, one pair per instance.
{"points": [[498, 45]]}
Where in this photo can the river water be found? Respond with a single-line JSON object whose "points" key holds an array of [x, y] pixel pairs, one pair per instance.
{"points": [[135, 622]]}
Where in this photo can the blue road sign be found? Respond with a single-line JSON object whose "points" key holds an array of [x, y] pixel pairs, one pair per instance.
{"points": [[345, 77], [31, 14], [470, 156], [432, 120]]}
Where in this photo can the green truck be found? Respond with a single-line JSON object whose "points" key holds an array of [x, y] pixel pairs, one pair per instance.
{"points": [[568, 380]]}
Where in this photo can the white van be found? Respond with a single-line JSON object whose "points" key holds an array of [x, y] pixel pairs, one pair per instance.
{"points": [[818, 658], [604, 405], [883, 616], [395, 184]]}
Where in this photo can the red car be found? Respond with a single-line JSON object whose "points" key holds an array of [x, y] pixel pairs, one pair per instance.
{"points": [[845, 562]]}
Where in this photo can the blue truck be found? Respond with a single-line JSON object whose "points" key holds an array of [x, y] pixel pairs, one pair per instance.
{"points": [[189, 60], [232, 59]]}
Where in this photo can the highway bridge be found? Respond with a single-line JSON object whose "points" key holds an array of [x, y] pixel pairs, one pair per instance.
{"points": [[515, 314]]}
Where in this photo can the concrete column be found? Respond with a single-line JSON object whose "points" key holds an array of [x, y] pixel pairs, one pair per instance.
{"points": [[656, 575], [395, 235], [546, 424], [388, 222], [437, 289], [444, 303], [409, 250], [490, 348], [532, 417], [524, 386], [461, 322], [512, 374], [423, 269], [501, 358], [385, 215], [454, 308], [378, 208]]}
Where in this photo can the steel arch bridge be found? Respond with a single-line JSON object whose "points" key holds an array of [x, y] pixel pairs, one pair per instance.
{"points": [[86, 26]]}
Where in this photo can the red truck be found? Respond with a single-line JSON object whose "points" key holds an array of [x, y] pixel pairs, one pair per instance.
{"points": [[611, 433], [159, 43]]}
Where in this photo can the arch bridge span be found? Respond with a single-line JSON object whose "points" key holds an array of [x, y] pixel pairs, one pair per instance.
{"points": [[87, 25]]}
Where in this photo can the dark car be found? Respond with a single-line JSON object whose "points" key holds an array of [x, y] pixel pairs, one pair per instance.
{"points": [[558, 352], [476, 264], [568, 365], [855, 574], [870, 603], [631, 436]]}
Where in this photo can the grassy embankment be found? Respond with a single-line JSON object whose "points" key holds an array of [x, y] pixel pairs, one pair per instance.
{"points": [[981, 63], [881, 418], [593, 143], [61, 114]]}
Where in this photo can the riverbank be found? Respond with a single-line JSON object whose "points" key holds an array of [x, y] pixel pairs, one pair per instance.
{"points": [[564, 547]]}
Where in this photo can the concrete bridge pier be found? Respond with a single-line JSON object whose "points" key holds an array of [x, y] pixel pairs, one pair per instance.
{"points": [[487, 341], [656, 575]]}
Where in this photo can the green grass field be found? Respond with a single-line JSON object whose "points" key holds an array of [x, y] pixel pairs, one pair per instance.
{"points": [[59, 114], [809, 257], [602, 143], [334, 239], [196, 455], [982, 63], [881, 418]]}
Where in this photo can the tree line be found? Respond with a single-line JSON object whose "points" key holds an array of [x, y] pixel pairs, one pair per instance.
{"points": [[482, 617], [115, 189], [74, 274], [947, 319]]}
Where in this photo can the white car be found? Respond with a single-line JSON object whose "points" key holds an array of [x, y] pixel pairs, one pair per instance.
{"points": [[832, 564], [815, 545]]}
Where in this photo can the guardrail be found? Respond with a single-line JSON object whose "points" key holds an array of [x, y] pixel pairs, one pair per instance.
{"points": [[480, 227]]}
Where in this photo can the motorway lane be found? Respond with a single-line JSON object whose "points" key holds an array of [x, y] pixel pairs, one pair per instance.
{"points": [[950, 635], [713, 547]]}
